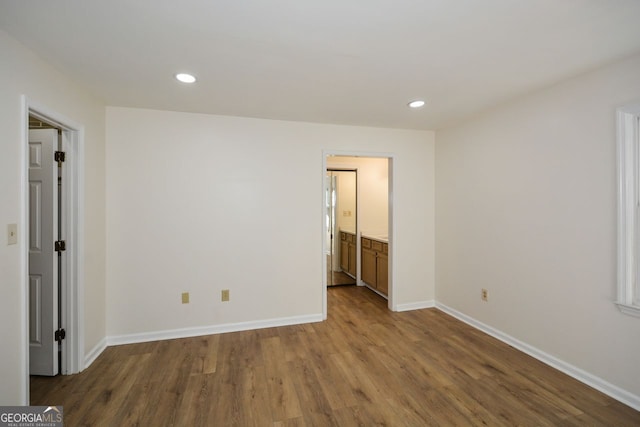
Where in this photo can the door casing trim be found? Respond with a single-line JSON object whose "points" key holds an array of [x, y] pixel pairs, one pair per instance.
{"points": [[391, 226], [72, 298]]}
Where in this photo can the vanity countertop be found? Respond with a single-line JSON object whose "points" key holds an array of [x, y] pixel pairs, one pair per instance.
{"points": [[380, 237], [348, 230]]}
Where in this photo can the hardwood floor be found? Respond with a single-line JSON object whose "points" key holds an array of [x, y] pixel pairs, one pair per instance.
{"points": [[364, 366], [338, 278]]}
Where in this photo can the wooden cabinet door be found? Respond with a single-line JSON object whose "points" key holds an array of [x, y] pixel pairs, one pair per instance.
{"points": [[369, 267], [344, 255], [352, 259], [382, 273]]}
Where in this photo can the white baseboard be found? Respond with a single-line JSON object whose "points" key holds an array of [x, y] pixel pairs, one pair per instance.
{"points": [[415, 305], [591, 380], [210, 330], [94, 353]]}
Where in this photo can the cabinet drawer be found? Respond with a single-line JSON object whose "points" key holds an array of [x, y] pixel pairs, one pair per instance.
{"points": [[376, 246], [366, 243], [351, 238], [343, 235], [385, 248]]}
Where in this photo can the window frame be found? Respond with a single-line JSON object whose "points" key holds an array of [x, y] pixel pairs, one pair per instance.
{"points": [[628, 159]]}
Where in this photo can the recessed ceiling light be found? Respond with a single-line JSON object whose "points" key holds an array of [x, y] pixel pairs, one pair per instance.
{"points": [[185, 78], [416, 104]]}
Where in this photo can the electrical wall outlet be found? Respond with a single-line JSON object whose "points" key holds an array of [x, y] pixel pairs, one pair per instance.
{"points": [[12, 234], [485, 295], [225, 295], [185, 297]]}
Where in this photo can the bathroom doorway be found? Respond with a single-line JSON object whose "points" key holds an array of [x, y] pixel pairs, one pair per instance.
{"points": [[372, 220]]}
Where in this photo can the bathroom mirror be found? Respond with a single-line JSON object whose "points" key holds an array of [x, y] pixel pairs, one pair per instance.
{"points": [[341, 214]]}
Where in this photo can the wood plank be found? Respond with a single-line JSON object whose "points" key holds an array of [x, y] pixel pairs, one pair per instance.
{"points": [[283, 398]]}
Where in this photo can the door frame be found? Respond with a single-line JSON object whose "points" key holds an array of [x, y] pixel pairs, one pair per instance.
{"points": [[72, 225], [391, 226]]}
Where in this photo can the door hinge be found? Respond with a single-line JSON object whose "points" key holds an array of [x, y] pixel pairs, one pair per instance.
{"points": [[59, 156], [60, 334], [60, 246]]}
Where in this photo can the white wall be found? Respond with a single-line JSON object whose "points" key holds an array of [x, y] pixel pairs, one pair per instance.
{"points": [[202, 203], [22, 73], [346, 200], [526, 208], [373, 188]]}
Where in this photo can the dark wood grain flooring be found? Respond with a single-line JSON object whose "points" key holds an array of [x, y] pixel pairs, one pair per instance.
{"points": [[364, 366], [338, 278]]}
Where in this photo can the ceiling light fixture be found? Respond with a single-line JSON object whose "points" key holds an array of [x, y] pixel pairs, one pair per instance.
{"points": [[416, 104], [185, 78]]}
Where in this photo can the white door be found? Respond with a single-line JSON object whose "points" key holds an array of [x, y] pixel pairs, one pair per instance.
{"points": [[43, 262]]}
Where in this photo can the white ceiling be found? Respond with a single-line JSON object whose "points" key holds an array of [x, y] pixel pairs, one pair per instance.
{"points": [[331, 61]]}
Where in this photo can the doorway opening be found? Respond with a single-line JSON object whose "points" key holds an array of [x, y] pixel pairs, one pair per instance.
{"points": [[62, 210], [352, 229]]}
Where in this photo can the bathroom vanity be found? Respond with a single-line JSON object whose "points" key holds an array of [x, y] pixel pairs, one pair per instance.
{"points": [[375, 262], [348, 253]]}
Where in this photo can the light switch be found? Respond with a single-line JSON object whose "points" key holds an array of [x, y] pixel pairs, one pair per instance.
{"points": [[185, 297], [12, 234]]}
